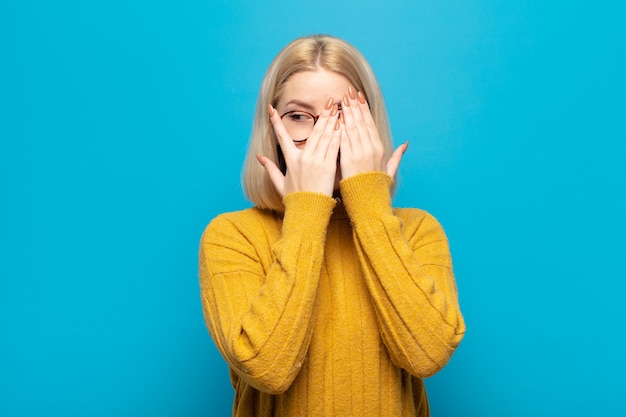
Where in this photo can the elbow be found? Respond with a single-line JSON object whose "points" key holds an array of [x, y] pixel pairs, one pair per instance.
{"points": [[264, 369], [272, 380], [428, 368], [430, 358], [271, 386]]}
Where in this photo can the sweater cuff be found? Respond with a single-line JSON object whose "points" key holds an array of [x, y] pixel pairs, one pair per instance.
{"points": [[307, 212], [367, 195]]}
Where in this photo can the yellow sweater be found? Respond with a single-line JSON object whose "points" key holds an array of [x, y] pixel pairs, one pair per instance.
{"points": [[331, 308]]}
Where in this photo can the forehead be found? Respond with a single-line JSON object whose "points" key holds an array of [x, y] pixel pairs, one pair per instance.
{"points": [[314, 87]]}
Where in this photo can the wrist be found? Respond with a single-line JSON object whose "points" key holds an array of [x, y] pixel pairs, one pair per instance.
{"points": [[366, 194]]}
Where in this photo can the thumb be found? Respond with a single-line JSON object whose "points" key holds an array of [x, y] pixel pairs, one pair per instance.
{"points": [[396, 157], [276, 176]]}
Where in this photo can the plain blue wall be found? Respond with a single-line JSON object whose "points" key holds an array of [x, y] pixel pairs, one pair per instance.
{"points": [[123, 125]]}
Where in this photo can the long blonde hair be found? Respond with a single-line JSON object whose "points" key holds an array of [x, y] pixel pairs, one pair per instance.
{"points": [[305, 54]]}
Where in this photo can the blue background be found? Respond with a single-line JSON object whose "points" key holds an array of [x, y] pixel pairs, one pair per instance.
{"points": [[123, 125]]}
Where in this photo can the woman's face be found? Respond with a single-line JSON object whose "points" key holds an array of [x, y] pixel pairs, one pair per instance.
{"points": [[309, 91]]}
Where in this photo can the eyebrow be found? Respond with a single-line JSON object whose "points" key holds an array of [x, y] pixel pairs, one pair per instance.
{"points": [[306, 105], [300, 103]]}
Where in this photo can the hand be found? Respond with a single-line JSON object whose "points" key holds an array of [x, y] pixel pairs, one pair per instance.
{"points": [[361, 147], [312, 167]]}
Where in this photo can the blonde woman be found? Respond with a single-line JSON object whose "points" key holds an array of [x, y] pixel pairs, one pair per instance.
{"points": [[322, 298]]}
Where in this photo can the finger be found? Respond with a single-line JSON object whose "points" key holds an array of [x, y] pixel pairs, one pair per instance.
{"points": [[275, 174], [332, 125], [355, 128], [283, 137], [321, 127], [349, 137], [396, 158], [344, 144], [361, 113], [367, 121], [332, 151], [364, 107]]}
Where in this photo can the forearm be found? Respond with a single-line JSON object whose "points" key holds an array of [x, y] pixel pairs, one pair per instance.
{"points": [[260, 314], [409, 277]]}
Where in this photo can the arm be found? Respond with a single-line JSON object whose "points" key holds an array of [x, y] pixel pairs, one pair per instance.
{"points": [[408, 272], [258, 296]]}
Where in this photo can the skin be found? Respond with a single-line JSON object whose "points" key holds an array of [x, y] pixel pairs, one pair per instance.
{"points": [[338, 147]]}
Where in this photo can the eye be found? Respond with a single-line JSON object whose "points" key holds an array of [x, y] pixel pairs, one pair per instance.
{"points": [[298, 116]]}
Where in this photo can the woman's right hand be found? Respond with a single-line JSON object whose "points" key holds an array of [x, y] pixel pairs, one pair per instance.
{"points": [[312, 167]]}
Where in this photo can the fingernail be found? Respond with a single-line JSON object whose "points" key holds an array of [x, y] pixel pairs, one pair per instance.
{"points": [[270, 109], [334, 110], [361, 97], [351, 92], [260, 159], [406, 146], [346, 102], [329, 104], [337, 124]]}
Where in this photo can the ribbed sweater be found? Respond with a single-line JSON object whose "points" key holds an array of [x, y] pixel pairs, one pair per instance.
{"points": [[334, 307]]}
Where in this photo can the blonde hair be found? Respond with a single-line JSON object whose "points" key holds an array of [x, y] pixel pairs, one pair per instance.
{"points": [[305, 54]]}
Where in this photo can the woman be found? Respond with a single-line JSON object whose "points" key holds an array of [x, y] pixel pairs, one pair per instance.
{"points": [[323, 299]]}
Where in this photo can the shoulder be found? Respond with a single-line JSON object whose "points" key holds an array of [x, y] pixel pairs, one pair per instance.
{"points": [[246, 216], [426, 236], [251, 221], [237, 241], [420, 224], [414, 215]]}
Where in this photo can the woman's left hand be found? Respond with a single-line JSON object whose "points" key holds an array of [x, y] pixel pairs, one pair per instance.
{"points": [[361, 148]]}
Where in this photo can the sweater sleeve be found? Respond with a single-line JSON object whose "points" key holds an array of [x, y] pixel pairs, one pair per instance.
{"points": [[258, 302], [408, 272]]}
